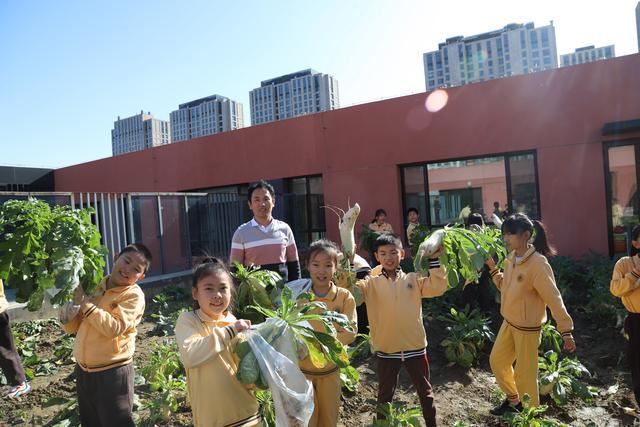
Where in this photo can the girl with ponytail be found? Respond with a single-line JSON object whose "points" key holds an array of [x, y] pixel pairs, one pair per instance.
{"points": [[625, 284], [527, 287]]}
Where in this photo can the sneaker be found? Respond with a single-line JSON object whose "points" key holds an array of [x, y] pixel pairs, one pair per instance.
{"points": [[505, 407], [19, 390]]}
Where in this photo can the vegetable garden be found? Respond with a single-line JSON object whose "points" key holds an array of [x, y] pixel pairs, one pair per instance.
{"points": [[590, 388]]}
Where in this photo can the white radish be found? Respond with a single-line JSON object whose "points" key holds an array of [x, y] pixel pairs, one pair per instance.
{"points": [[346, 225], [496, 220], [431, 245]]}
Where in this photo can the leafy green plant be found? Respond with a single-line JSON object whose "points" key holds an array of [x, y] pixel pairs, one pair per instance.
{"points": [[559, 378], [267, 409], [465, 251], [468, 334], [45, 248], [368, 239], [67, 416], [550, 339], [165, 377], [349, 378], [256, 288], [530, 416], [420, 233], [295, 315], [397, 415]]}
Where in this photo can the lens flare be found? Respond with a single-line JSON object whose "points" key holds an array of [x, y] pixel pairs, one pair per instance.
{"points": [[436, 101]]}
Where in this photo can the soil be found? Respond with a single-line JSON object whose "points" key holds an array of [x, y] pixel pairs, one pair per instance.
{"points": [[461, 395]]}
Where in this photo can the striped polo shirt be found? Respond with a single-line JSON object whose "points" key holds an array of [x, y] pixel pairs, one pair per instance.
{"points": [[270, 247]]}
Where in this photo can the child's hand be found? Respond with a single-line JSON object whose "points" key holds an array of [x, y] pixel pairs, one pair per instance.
{"points": [[490, 263], [569, 344], [242, 325], [437, 253]]}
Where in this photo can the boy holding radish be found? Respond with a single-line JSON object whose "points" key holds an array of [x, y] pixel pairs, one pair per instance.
{"points": [[105, 328], [394, 308]]}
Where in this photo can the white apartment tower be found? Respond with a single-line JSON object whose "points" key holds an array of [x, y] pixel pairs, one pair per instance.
{"points": [[139, 132], [296, 94], [205, 116], [515, 49], [587, 54], [638, 24]]}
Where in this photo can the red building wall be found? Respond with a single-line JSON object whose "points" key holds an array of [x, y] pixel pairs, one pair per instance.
{"points": [[558, 113]]}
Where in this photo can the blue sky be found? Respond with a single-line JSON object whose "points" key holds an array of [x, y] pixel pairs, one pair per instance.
{"points": [[69, 68]]}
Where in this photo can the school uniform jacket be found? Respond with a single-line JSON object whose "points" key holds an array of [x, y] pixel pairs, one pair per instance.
{"points": [[217, 398], [527, 287], [341, 301], [105, 328], [394, 308], [625, 282]]}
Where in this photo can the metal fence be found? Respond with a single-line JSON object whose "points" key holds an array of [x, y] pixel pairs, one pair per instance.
{"points": [[180, 228]]}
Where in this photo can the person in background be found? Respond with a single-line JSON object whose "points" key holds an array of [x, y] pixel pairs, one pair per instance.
{"points": [[9, 358], [413, 216], [625, 284], [265, 241], [379, 223]]}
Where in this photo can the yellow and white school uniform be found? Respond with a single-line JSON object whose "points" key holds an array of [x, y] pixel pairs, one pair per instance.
{"points": [[527, 287], [217, 398]]}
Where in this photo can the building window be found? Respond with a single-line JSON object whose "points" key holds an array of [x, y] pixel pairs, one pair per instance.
{"points": [[623, 202], [441, 190], [303, 211]]}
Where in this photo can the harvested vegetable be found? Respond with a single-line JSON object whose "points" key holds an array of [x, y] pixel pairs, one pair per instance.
{"points": [[255, 287], [48, 248], [465, 251]]}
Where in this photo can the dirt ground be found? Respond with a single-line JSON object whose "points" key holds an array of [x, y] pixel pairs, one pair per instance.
{"points": [[461, 395]]}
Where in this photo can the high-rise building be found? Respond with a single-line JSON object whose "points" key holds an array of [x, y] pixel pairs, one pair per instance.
{"points": [[638, 24], [515, 49], [587, 54], [139, 132], [295, 94], [205, 116]]}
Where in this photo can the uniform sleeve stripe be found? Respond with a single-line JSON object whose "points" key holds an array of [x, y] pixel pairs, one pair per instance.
{"points": [[237, 246]]}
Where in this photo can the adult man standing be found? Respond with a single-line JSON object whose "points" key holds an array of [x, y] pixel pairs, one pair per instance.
{"points": [[265, 241]]}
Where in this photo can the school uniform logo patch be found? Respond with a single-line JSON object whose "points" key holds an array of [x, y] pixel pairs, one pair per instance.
{"points": [[520, 278], [410, 285], [114, 304]]}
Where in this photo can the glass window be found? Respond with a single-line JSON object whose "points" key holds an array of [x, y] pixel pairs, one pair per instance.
{"points": [[524, 189], [508, 182], [303, 209], [623, 194]]}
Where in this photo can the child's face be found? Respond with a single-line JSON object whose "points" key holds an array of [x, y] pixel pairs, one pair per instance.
{"points": [[380, 219], [321, 268], [213, 293], [128, 269], [636, 244], [413, 217], [389, 256], [516, 241], [261, 203]]}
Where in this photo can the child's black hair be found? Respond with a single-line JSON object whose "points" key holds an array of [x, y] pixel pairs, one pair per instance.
{"points": [[379, 212], [323, 245], [210, 265], [635, 235], [413, 210], [386, 239], [260, 184], [140, 249], [475, 219], [519, 223]]}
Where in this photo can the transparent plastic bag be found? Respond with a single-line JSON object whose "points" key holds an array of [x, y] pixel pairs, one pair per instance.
{"points": [[292, 392]]}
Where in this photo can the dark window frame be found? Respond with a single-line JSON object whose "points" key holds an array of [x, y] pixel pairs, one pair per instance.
{"points": [[635, 142], [504, 155], [309, 230]]}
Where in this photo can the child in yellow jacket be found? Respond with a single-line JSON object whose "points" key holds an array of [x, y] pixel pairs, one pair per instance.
{"points": [[105, 328], [625, 284], [322, 264], [527, 287], [204, 339], [394, 307]]}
